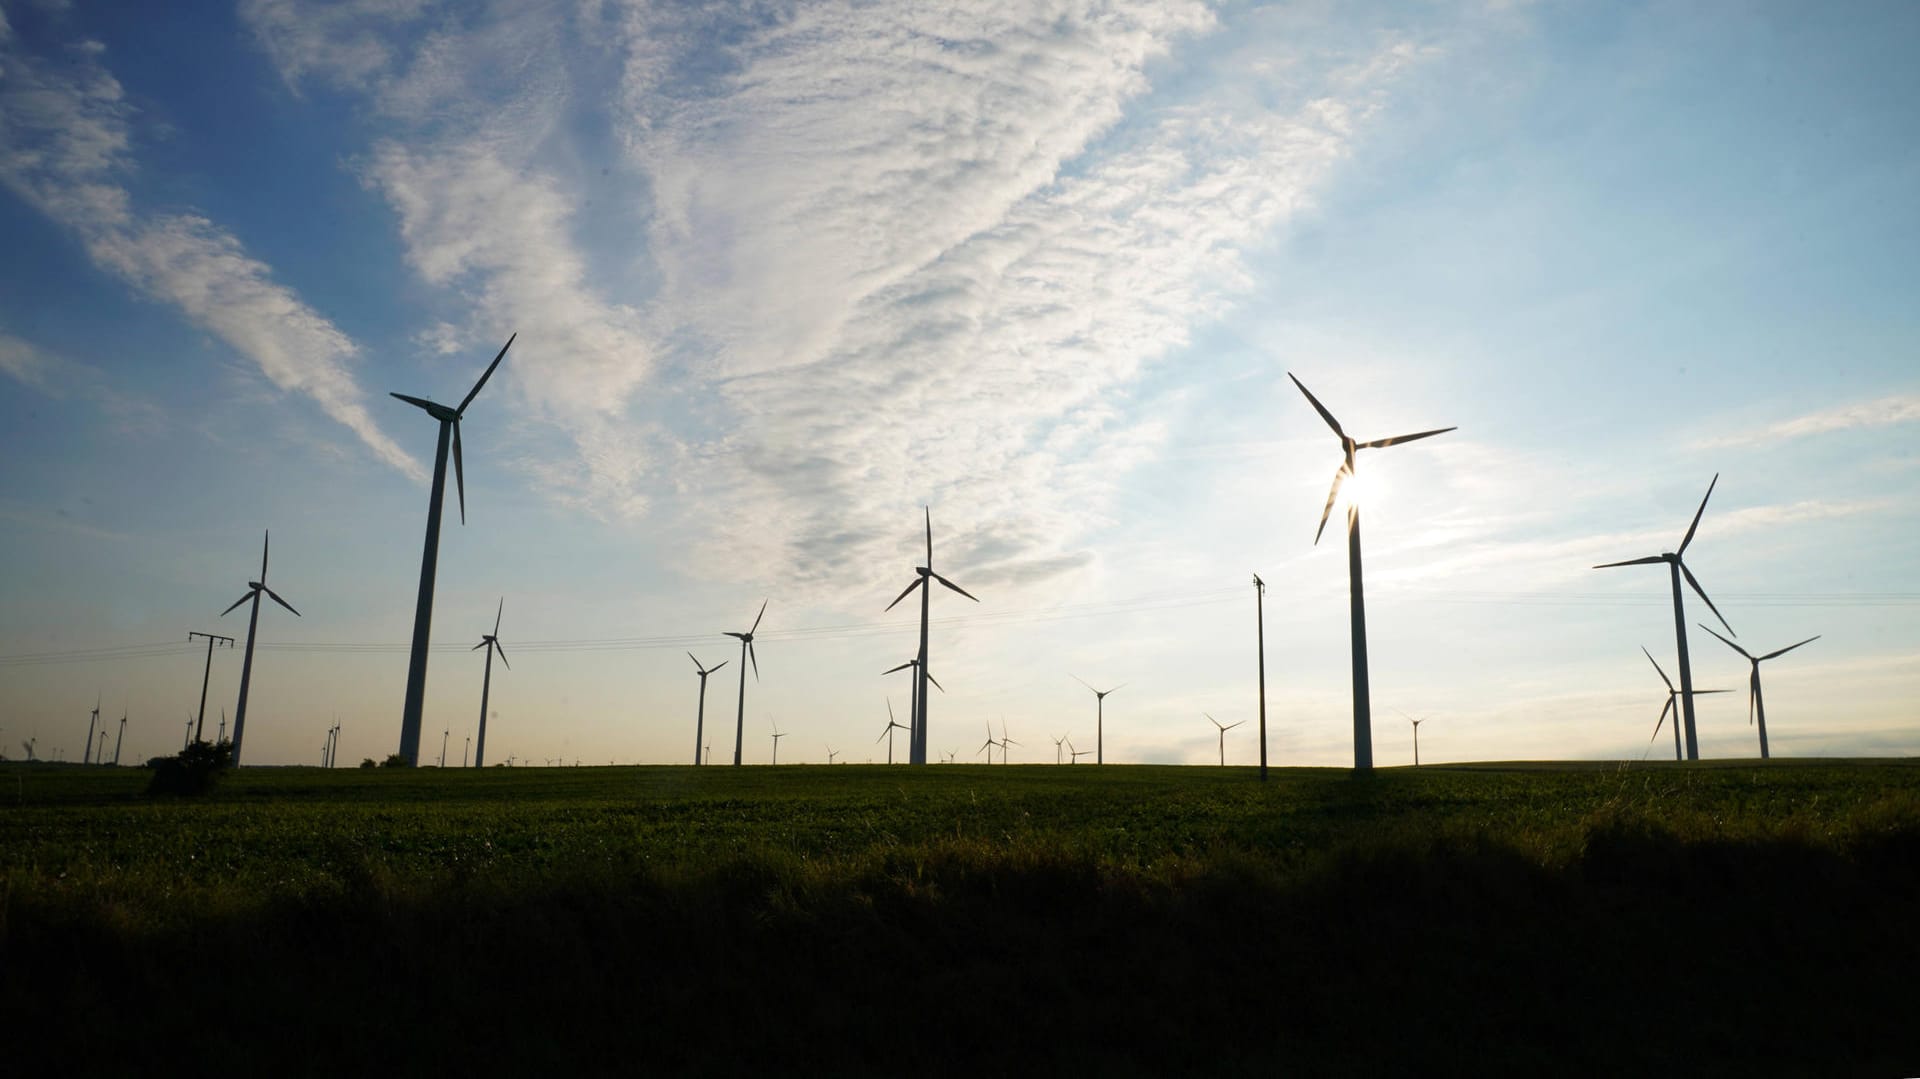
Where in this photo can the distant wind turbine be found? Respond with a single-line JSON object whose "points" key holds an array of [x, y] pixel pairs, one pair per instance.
{"points": [[1057, 743], [1004, 742], [892, 725], [189, 738], [700, 716], [1260, 619], [122, 739], [988, 744], [1756, 704], [1362, 699], [466, 748], [443, 746], [490, 642], [1074, 755], [831, 753], [777, 735], [449, 418], [746, 655], [1099, 718], [1223, 735], [254, 591], [1416, 734], [1672, 694], [917, 751], [86, 754], [1677, 569], [912, 667]]}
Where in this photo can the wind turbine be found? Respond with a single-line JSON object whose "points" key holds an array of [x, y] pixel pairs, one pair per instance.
{"points": [[1260, 619], [410, 716], [746, 655], [1074, 755], [122, 739], [913, 668], [490, 642], [254, 591], [1057, 742], [189, 739], [700, 717], [466, 748], [777, 735], [1416, 733], [1223, 735], [86, 755], [831, 753], [989, 744], [1682, 693], [223, 726], [1677, 569], [1099, 718], [1756, 704], [1004, 742], [892, 725], [443, 747], [1362, 699], [917, 751]]}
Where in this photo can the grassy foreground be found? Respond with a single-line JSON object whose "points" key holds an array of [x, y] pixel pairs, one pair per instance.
{"points": [[1138, 920]]}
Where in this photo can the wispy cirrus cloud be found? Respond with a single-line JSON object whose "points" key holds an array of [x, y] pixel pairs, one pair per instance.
{"points": [[60, 377], [65, 149], [1880, 412]]}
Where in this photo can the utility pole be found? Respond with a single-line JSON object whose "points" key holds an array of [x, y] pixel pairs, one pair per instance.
{"points": [[200, 723], [1260, 613]]}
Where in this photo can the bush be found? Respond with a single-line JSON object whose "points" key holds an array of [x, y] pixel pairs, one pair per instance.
{"points": [[194, 770], [395, 760], [366, 762]]}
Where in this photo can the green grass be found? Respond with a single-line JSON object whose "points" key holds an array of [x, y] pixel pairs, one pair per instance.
{"points": [[873, 919]]}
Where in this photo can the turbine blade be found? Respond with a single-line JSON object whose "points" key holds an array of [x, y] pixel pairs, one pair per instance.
{"points": [[1702, 593], [1656, 666], [1231, 726], [478, 647], [471, 394], [1320, 408], [1383, 443], [459, 473], [237, 603], [277, 599], [1753, 693], [1339, 475], [929, 512], [1668, 707], [956, 588], [731, 633], [889, 712], [901, 667], [1118, 688], [917, 582], [1791, 647], [1728, 643], [936, 682], [265, 540], [498, 611], [502, 649], [1647, 561], [755, 657], [418, 402], [696, 664], [1688, 538], [758, 617], [1082, 681], [717, 666]]}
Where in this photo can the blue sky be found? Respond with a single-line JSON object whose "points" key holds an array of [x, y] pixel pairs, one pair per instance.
{"points": [[782, 278]]}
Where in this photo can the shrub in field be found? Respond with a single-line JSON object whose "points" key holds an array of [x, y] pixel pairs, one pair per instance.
{"points": [[366, 762], [395, 760], [194, 770]]}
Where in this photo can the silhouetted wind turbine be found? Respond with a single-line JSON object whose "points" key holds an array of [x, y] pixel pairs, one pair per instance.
{"points": [[700, 716], [188, 740], [746, 655], [988, 744], [777, 735], [1756, 704], [1099, 718], [449, 418], [122, 739], [831, 753], [1416, 734], [1074, 755], [1362, 699], [1260, 618], [466, 749], [1223, 735], [892, 725], [917, 751], [443, 747], [1057, 743], [1677, 569], [254, 591], [222, 736], [86, 754], [1004, 742], [490, 642], [913, 668], [1672, 693]]}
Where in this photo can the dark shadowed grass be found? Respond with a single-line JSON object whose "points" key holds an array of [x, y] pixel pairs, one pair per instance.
{"points": [[886, 920]]}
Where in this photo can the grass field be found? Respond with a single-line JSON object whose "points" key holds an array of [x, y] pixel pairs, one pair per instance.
{"points": [[1142, 920]]}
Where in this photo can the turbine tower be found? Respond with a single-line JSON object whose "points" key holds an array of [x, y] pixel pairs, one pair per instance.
{"points": [[892, 725], [1362, 700], [989, 744], [1416, 734], [1672, 693], [913, 668], [1260, 637], [700, 717], [121, 740], [1004, 742], [254, 590], [490, 642], [410, 716], [777, 735], [1756, 705], [917, 751], [86, 754], [1223, 735], [746, 655], [1675, 570], [1099, 718]]}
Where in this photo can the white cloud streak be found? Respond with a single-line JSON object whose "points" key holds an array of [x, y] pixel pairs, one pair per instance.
{"points": [[59, 378], [1863, 415], [65, 147]]}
